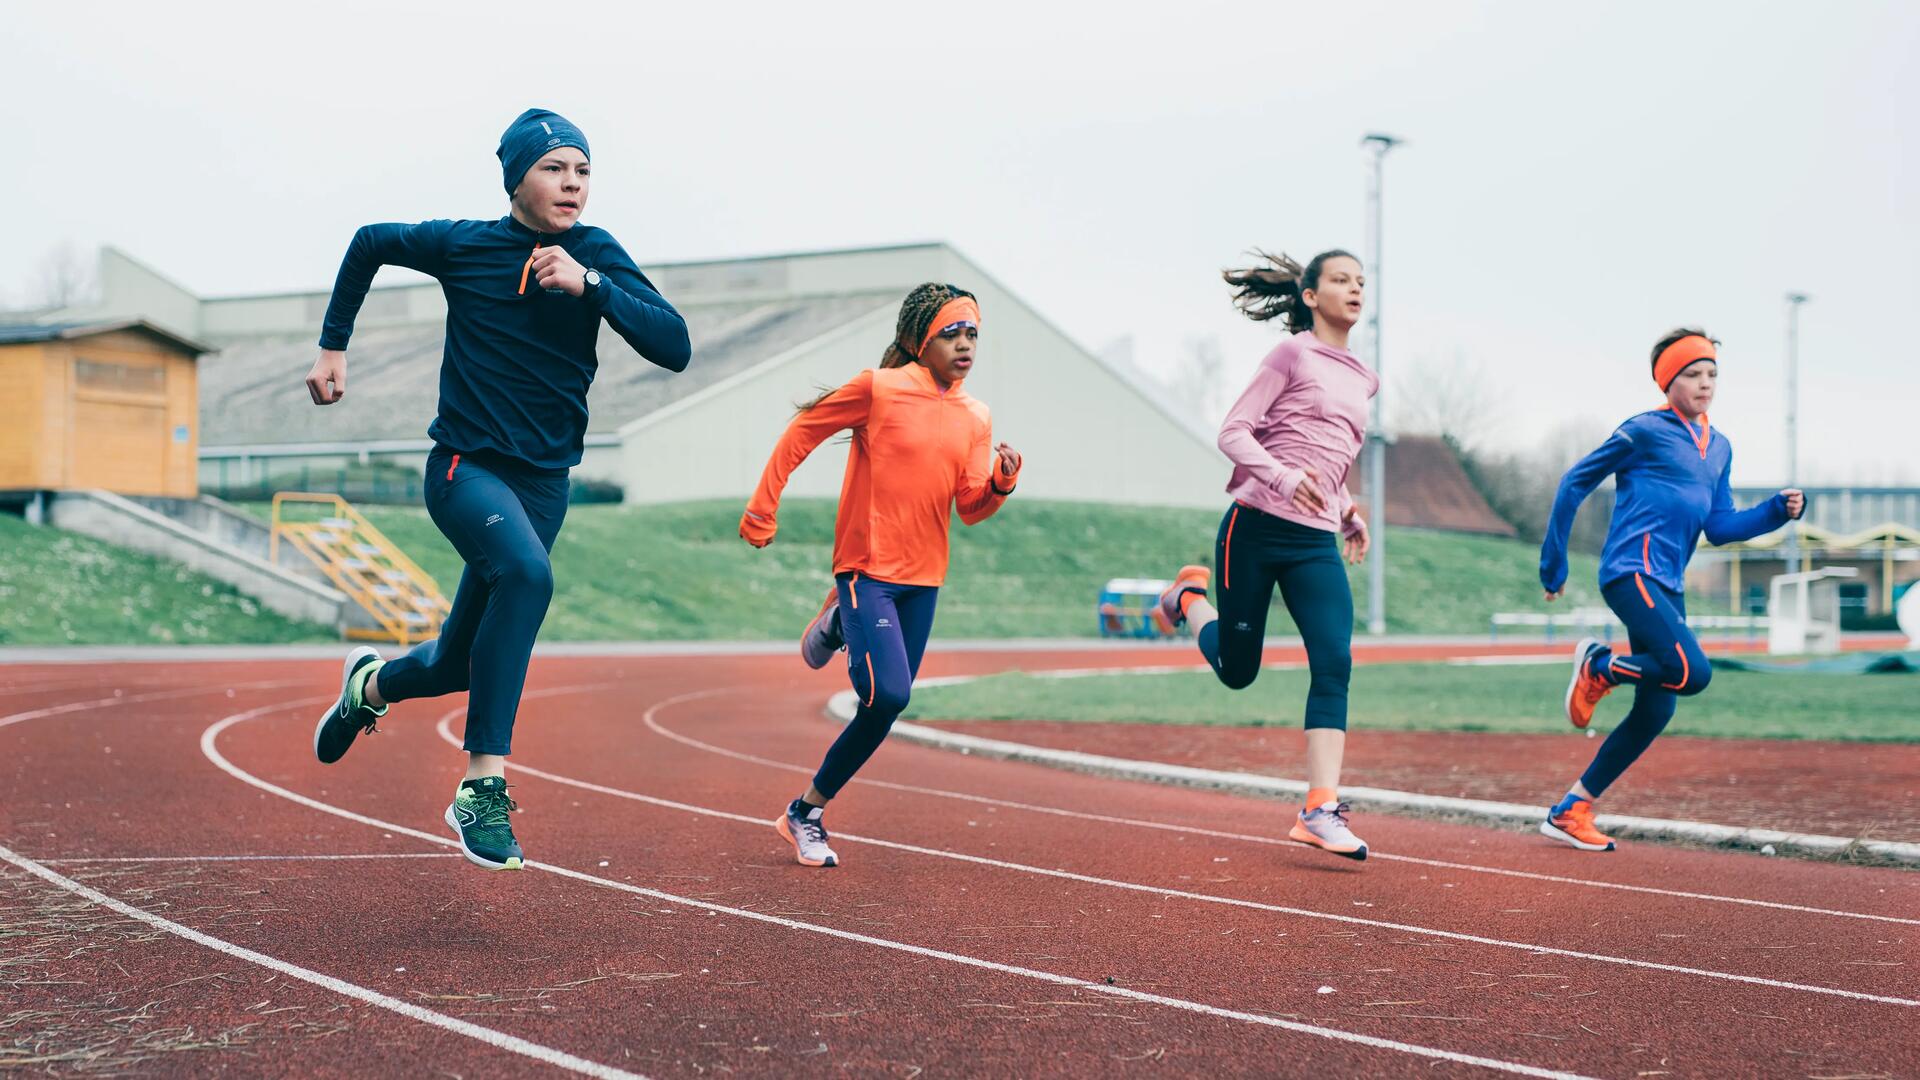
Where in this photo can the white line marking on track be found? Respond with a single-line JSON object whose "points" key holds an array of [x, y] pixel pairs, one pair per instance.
{"points": [[208, 746], [134, 699], [77, 860], [545, 1054], [1205, 898], [1195, 830]]}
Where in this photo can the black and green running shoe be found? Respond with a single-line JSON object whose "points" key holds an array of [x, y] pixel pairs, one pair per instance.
{"points": [[478, 815], [350, 715]]}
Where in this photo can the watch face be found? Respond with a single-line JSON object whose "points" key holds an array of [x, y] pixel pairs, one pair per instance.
{"points": [[593, 277]]}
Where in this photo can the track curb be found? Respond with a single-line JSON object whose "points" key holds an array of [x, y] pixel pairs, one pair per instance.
{"points": [[840, 708]]}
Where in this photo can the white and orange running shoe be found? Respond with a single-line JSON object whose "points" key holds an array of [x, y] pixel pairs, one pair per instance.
{"points": [[1575, 828], [1189, 579], [1586, 689], [822, 637], [803, 827], [1325, 827]]}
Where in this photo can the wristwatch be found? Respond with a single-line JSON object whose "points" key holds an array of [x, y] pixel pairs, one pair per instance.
{"points": [[593, 280]]}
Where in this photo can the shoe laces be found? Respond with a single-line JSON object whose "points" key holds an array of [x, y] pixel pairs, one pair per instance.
{"points": [[812, 831], [1338, 813], [1592, 687], [490, 808]]}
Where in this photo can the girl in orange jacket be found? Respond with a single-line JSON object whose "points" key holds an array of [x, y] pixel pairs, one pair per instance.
{"points": [[922, 447]]}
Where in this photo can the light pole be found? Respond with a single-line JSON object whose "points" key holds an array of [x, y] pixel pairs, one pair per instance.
{"points": [[1377, 460], [1794, 300]]}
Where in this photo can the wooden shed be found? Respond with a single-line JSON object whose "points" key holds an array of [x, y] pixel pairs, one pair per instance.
{"points": [[111, 405]]}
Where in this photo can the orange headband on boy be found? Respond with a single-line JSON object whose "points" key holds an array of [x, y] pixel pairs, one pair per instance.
{"points": [[1675, 358], [959, 309]]}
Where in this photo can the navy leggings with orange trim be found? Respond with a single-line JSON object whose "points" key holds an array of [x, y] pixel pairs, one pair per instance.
{"points": [[1666, 664], [1254, 552], [502, 517], [886, 628]]}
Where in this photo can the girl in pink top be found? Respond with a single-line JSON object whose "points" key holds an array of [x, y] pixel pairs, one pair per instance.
{"points": [[1292, 437]]}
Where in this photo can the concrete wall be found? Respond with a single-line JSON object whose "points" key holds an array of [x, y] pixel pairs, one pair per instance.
{"points": [[116, 520]]}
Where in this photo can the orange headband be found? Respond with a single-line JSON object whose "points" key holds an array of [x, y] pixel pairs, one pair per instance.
{"points": [[1675, 358], [959, 309]]}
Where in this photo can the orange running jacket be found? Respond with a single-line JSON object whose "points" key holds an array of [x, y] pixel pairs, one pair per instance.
{"points": [[917, 453]]}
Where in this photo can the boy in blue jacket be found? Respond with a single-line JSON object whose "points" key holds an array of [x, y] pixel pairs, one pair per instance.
{"points": [[1671, 486], [526, 295]]}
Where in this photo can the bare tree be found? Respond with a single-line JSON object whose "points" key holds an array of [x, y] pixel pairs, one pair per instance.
{"points": [[1196, 386], [1454, 400], [65, 278]]}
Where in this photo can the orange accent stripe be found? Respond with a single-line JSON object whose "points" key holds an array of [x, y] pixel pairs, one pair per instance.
{"points": [[453, 466], [854, 592], [871, 688], [1643, 590], [1685, 671], [1226, 550], [1646, 540], [1702, 440], [528, 266]]}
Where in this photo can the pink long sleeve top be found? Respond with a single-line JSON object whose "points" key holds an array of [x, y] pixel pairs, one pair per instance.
{"points": [[1305, 408]]}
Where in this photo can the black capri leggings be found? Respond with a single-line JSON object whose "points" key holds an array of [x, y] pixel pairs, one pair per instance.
{"points": [[1254, 552]]}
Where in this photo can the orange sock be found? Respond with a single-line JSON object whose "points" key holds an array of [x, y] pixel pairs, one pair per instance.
{"points": [[1321, 796], [1187, 597]]}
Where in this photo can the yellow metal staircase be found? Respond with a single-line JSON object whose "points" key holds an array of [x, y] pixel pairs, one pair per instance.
{"points": [[404, 602]]}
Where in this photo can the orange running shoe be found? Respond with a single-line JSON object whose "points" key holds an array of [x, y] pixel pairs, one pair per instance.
{"points": [[1189, 579], [1586, 689], [1576, 828]]}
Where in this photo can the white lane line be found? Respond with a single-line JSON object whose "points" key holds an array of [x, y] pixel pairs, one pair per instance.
{"points": [[78, 860], [134, 699], [1106, 819], [446, 733], [545, 1054], [208, 746]]}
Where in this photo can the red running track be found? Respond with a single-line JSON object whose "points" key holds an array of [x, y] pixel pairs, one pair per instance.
{"points": [[991, 918]]}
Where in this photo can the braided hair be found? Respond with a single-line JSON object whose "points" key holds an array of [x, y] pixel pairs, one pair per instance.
{"points": [[916, 317], [1273, 290]]}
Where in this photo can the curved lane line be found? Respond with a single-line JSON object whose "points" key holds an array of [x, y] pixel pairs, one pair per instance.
{"points": [[544, 1054], [512, 1044], [1205, 898], [209, 746], [1195, 830]]}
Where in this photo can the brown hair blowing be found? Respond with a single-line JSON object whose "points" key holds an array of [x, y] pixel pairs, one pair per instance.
{"points": [[1272, 289]]}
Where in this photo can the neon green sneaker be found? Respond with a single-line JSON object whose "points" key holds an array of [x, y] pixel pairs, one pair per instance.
{"points": [[478, 815], [351, 715]]}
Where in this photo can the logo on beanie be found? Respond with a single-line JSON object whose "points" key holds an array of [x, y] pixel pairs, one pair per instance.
{"points": [[555, 141]]}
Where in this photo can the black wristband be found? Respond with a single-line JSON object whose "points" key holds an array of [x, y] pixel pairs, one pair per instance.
{"points": [[996, 489]]}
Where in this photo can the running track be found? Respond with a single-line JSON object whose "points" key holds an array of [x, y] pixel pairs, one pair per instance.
{"points": [[991, 918]]}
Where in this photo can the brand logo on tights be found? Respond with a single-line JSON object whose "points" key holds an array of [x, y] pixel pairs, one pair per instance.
{"points": [[494, 519], [881, 623]]}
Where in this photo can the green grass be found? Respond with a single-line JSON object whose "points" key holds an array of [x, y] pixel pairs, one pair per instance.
{"points": [[1442, 697], [59, 588], [1033, 570]]}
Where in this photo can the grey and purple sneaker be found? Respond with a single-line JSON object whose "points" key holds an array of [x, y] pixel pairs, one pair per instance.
{"points": [[822, 637], [1189, 579], [804, 828], [1325, 827]]}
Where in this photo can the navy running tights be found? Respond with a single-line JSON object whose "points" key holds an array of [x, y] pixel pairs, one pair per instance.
{"points": [[1666, 664], [502, 517], [1254, 552], [886, 628]]}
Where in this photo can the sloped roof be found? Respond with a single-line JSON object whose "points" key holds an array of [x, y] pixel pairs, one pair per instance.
{"points": [[252, 392], [19, 333], [1428, 489]]}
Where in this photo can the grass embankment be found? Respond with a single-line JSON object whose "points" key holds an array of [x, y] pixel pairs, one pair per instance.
{"points": [[1035, 569], [1444, 697], [680, 572], [59, 588]]}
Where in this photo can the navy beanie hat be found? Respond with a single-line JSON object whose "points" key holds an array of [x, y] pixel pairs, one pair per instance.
{"points": [[531, 135]]}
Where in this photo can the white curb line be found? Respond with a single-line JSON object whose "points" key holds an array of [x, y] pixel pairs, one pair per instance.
{"points": [[840, 708]]}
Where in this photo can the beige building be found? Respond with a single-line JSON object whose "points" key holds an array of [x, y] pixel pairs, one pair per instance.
{"points": [[767, 332]]}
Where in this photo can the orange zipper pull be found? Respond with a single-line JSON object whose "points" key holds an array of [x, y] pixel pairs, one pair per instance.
{"points": [[526, 267]]}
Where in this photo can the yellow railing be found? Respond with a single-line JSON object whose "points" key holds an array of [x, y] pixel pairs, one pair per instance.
{"points": [[364, 564]]}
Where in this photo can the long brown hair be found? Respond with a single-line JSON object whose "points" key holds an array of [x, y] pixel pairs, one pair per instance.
{"points": [[916, 316], [1272, 290]]}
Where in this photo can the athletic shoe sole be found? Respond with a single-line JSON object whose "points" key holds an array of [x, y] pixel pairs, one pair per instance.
{"points": [[1299, 835], [807, 634], [1555, 832], [474, 857], [346, 672], [780, 826], [1580, 652]]}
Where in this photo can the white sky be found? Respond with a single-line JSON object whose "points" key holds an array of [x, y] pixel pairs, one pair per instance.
{"points": [[1576, 179]]}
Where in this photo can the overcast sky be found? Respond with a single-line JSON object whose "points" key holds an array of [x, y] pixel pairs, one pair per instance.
{"points": [[1575, 180]]}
